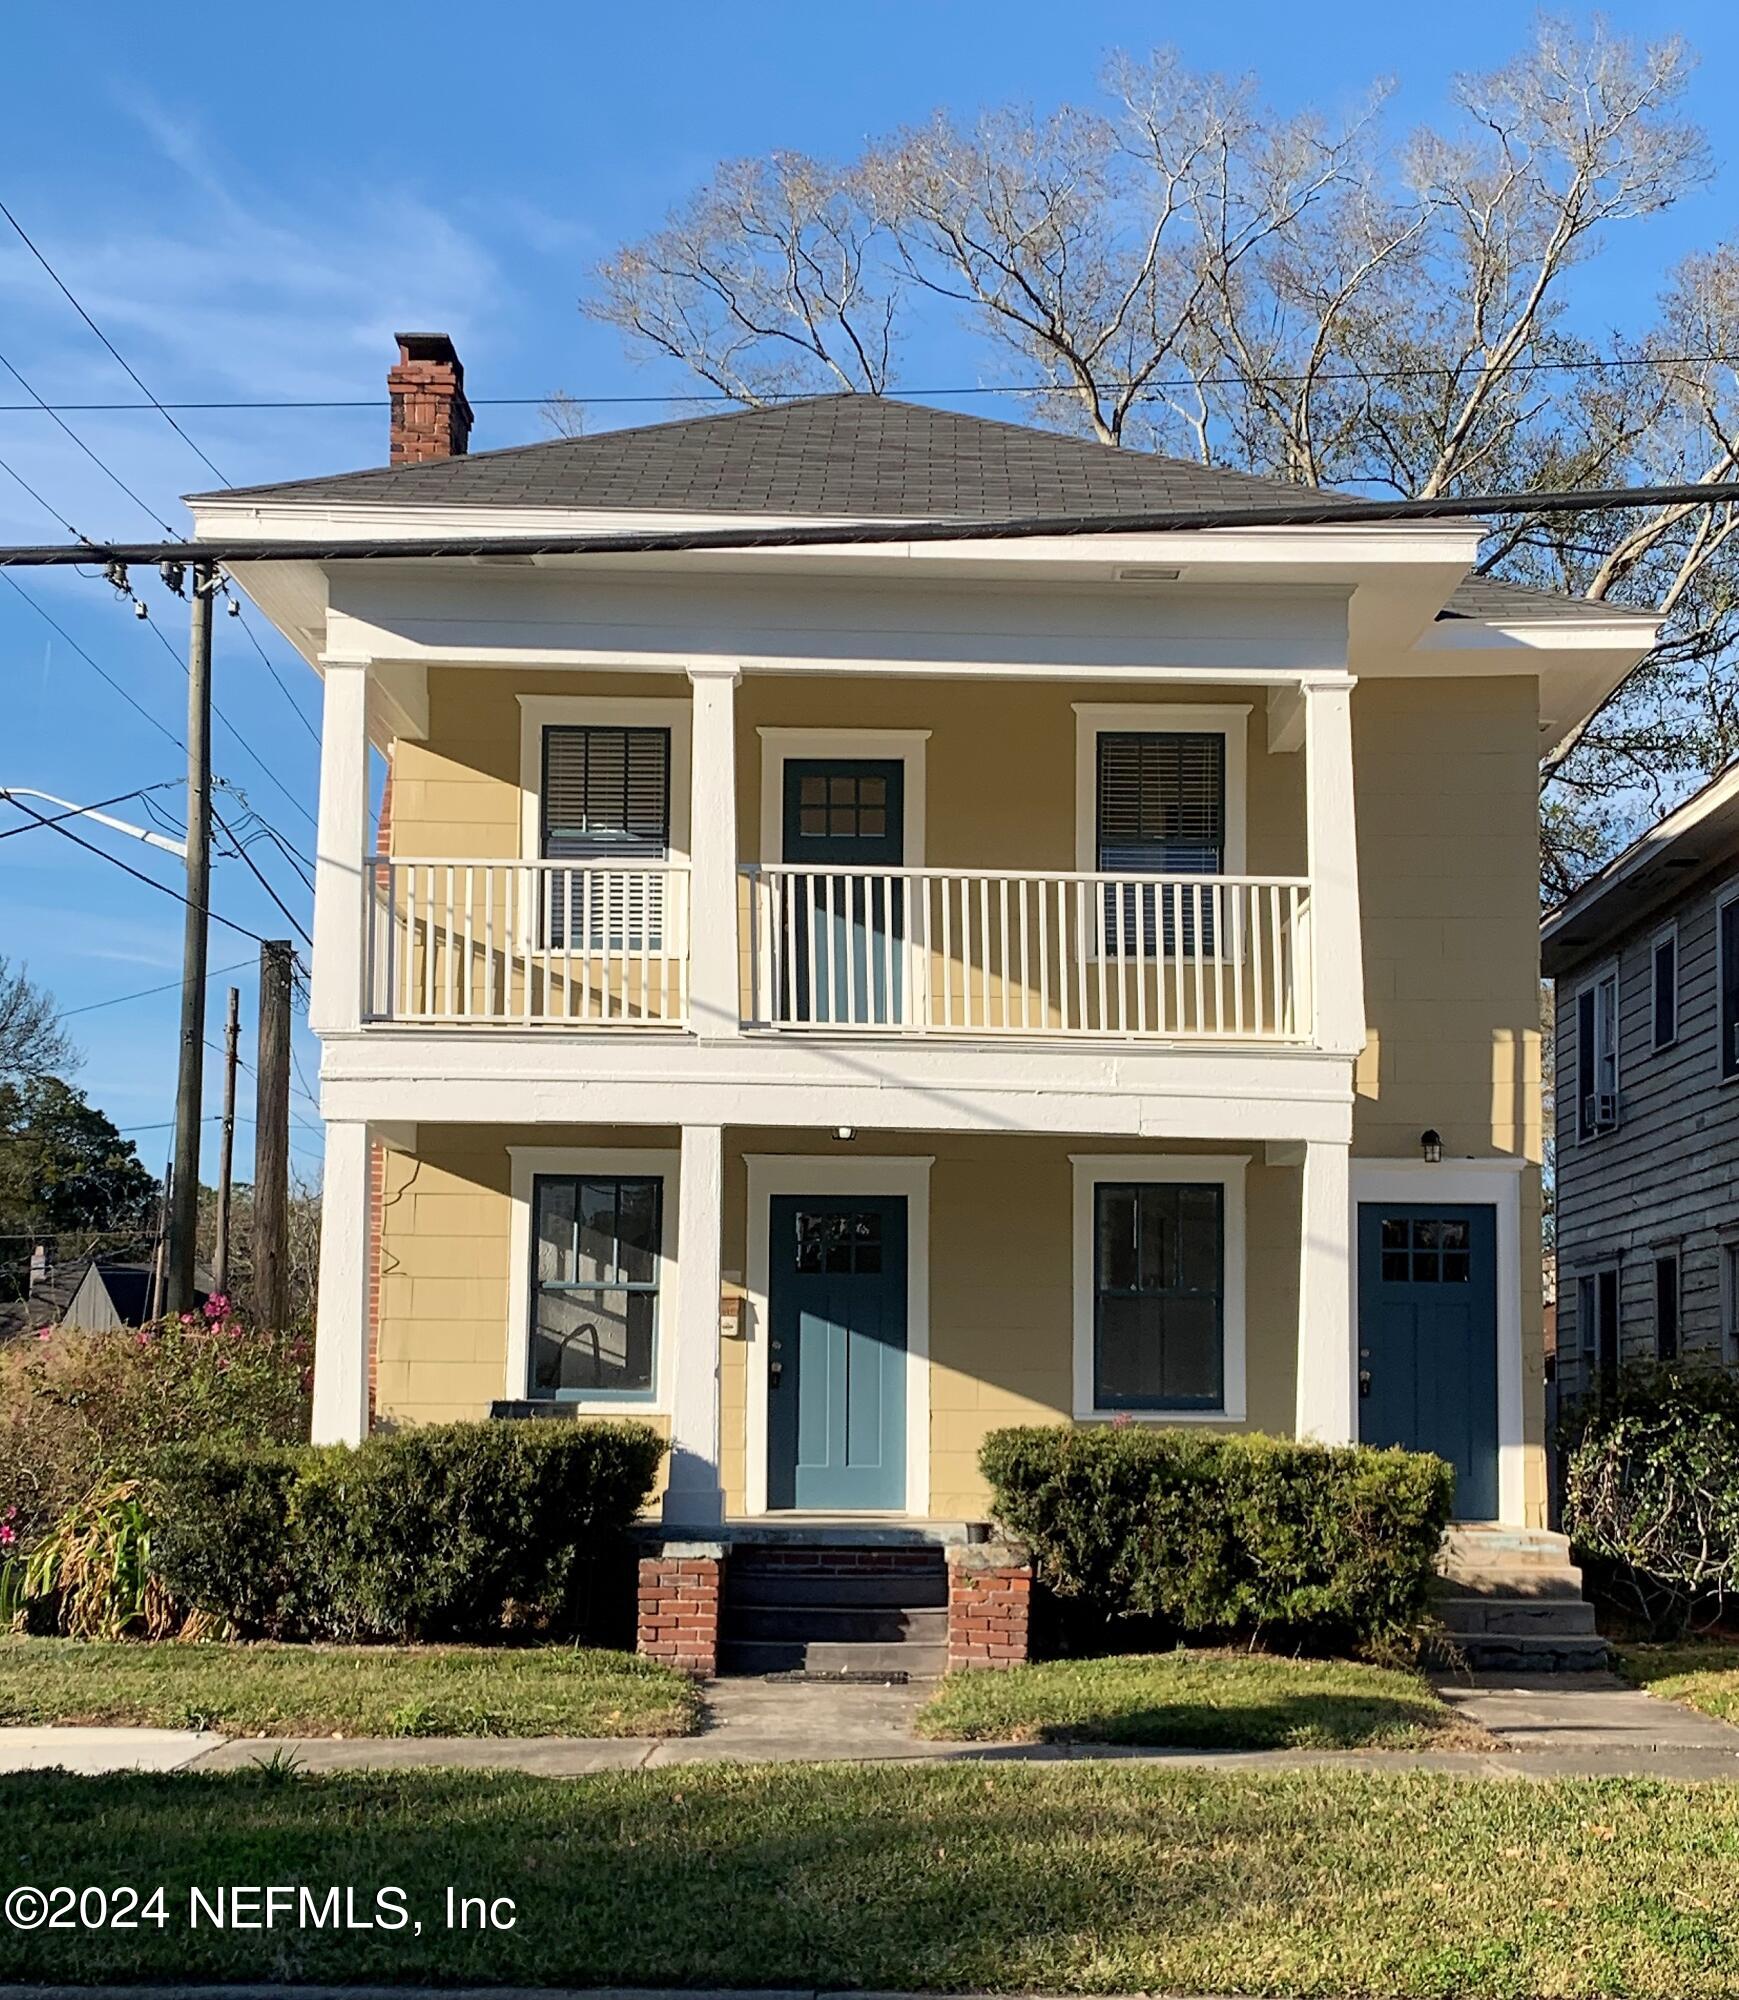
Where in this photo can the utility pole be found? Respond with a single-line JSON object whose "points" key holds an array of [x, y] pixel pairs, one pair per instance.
{"points": [[160, 1247], [184, 1199], [226, 1156], [271, 1236]]}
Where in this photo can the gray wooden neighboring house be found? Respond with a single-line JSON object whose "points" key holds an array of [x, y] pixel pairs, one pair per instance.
{"points": [[1645, 964]]}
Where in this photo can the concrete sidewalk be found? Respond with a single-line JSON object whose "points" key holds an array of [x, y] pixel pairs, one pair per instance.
{"points": [[1549, 1726]]}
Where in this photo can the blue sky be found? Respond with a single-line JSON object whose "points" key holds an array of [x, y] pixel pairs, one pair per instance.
{"points": [[249, 206]]}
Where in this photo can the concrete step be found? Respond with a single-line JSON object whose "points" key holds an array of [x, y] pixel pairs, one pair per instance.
{"points": [[761, 1588], [1547, 1617], [844, 1624], [1516, 1585], [1505, 1545], [1523, 1653], [780, 1656]]}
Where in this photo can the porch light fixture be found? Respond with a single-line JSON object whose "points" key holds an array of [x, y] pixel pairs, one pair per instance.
{"points": [[845, 1132], [1431, 1147]]}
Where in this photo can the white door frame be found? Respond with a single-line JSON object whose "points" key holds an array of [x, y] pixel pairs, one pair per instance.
{"points": [[773, 1174], [1497, 1185]]}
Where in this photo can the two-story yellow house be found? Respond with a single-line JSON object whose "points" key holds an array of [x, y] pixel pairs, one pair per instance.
{"points": [[837, 998]]}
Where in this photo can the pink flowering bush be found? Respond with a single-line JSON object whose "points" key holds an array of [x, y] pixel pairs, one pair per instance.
{"points": [[81, 1410]]}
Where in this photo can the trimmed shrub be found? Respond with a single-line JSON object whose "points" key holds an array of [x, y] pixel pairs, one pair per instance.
{"points": [[1651, 1494], [457, 1531], [1310, 1546]]}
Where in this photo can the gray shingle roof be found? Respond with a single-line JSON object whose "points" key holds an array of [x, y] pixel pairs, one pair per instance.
{"points": [[849, 457], [839, 457]]}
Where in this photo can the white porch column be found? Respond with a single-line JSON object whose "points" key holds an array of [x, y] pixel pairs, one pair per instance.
{"points": [[341, 1324], [692, 1497], [335, 996], [1338, 962], [1327, 1351], [714, 997]]}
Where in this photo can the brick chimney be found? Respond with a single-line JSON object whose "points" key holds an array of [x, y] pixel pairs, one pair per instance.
{"points": [[430, 416]]}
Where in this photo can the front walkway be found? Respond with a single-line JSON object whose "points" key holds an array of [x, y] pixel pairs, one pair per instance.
{"points": [[1582, 1725]]}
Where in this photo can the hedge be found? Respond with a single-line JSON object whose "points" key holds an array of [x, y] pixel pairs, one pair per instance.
{"points": [[1318, 1547], [1651, 1494], [456, 1531]]}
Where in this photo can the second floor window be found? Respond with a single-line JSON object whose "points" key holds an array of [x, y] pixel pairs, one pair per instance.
{"points": [[1597, 1057], [1664, 988], [1160, 810], [605, 803]]}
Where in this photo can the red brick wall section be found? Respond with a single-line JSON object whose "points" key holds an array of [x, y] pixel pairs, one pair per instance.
{"points": [[430, 416], [679, 1606], [989, 1598]]}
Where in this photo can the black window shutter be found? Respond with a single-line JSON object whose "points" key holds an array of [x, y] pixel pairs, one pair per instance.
{"points": [[1666, 992], [1730, 989]]}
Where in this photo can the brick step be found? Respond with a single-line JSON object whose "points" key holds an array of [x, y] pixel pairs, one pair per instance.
{"points": [[819, 1656], [1506, 1586], [1519, 1653], [851, 1624], [762, 1588], [1547, 1617]]}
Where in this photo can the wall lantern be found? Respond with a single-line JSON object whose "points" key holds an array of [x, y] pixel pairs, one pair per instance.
{"points": [[846, 1132], [1431, 1147]]}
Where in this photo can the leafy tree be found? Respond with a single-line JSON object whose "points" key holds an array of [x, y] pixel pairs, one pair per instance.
{"points": [[32, 1041], [66, 1173], [1181, 268]]}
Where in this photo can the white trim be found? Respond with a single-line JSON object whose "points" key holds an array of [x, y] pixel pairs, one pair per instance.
{"points": [[1727, 895], [779, 744], [771, 1174], [1667, 934], [1609, 968], [1496, 1184], [1228, 1170], [340, 1405], [538, 712], [1228, 719], [525, 1163]]}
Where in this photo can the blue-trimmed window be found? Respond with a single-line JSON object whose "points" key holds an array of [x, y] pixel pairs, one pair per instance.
{"points": [[597, 1263], [1159, 1295]]}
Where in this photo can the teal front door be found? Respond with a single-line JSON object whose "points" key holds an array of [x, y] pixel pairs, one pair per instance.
{"points": [[836, 1377], [1428, 1339], [844, 819]]}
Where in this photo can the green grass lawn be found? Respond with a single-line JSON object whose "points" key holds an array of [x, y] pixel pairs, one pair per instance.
{"points": [[344, 1690], [1702, 1673], [1065, 1878], [1195, 1701]]}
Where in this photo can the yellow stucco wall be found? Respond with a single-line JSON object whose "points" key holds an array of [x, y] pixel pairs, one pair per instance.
{"points": [[1448, 841]]}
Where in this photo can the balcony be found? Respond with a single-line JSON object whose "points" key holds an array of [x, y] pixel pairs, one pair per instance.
{"points": [[926, 952]]}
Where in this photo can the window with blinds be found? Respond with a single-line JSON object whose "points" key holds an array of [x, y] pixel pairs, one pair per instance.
{"points": [[1161, 810], [605, 806]]}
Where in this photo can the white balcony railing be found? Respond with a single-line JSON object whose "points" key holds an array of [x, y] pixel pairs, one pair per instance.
{"points": [[525, 942], [944, 951]]}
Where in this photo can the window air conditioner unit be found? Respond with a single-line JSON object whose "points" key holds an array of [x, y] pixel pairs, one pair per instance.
{"points": [[1600, 1111]]}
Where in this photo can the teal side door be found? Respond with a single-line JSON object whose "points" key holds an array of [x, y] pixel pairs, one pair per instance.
{"points": [[1428, 1339], [836, 1397], [845, 935]]}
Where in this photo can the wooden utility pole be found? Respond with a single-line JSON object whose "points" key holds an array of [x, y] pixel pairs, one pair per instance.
{"points": [[184, 1197], [271, 1237], [232, 1034]]}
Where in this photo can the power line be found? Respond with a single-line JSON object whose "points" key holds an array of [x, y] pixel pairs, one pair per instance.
{"points": [[107, 470], [12, 472], [253, 869], [145, 992], [161, 728], [107, 342], [138, 875], [1415, 371]]}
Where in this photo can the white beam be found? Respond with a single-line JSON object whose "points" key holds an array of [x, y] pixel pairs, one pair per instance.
{"points": [[692, 1496], [335, 998], [1327, 1407], [714, 999], [1337, 948], [341, 1326]]}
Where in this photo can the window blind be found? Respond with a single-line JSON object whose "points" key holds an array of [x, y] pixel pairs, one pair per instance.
{"points": [[606, 801], [1161, 810], [606, 794]]}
